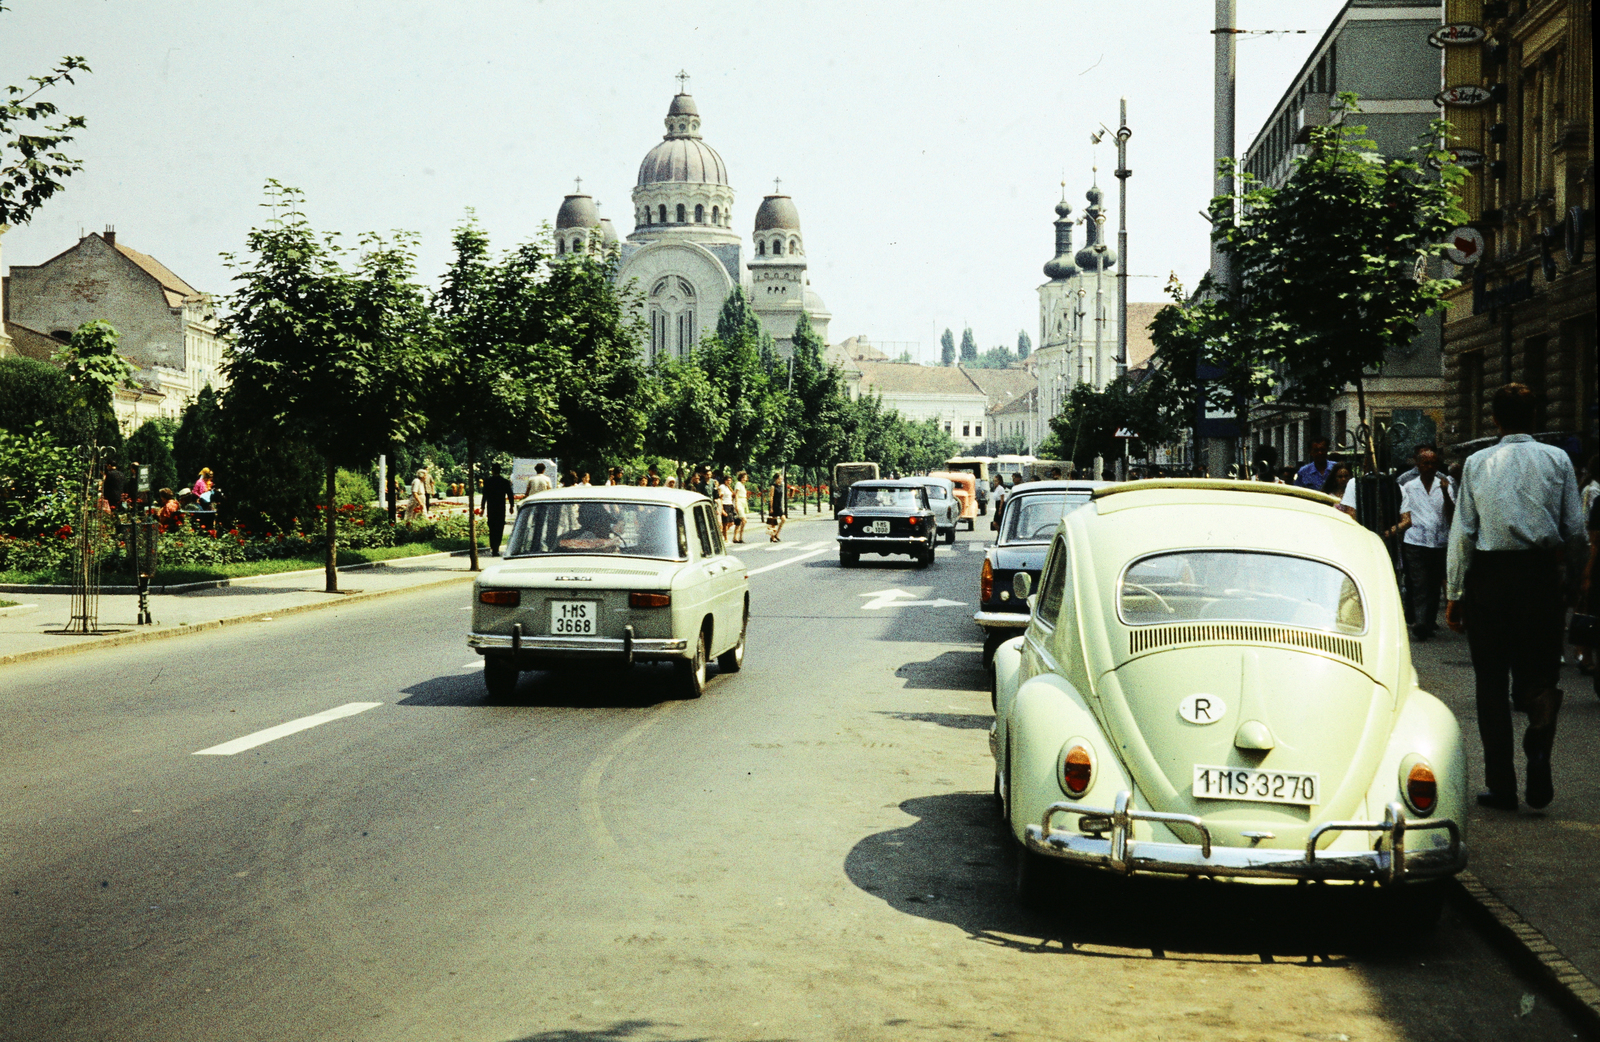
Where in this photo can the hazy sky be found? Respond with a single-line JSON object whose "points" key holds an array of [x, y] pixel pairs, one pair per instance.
{"points": [[923, 143]]}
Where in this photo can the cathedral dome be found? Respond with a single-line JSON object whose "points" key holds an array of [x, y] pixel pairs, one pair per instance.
{"points": [[577, 211], [1060, 266], [777, 212], [608, 232], [1095, 255], [682, 155]]}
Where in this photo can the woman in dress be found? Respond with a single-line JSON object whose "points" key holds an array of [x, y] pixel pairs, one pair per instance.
{"points": [[724, 493], [741, 505], [777, 507]]}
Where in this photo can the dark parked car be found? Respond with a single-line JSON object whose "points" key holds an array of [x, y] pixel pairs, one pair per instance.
{"points": [[1026, 524], [886, 517]]}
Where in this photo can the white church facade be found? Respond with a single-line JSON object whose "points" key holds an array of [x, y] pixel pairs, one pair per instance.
{"points": [[684, 256], [1077, 310]]}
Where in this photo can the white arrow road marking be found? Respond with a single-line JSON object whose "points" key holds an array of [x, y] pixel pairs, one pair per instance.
{"points": [[250, 741], [896, 599], [792, 560]]}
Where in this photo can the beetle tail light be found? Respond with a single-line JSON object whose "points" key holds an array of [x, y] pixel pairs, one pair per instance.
{"points": [[501, 598], [1422, 789], [1077, 770], [649, 599], [986, 582]]}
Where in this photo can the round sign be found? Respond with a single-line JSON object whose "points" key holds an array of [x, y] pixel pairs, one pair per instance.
{"points": [[1468, 157], [1458, 34], [1464, 246], [1202, 709], [1466, 96]]}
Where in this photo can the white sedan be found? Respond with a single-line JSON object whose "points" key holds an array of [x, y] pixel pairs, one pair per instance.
{"points": [[614, 574]]}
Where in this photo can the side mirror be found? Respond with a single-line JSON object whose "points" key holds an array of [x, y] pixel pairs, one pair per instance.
{"points": [[1021, 585]]}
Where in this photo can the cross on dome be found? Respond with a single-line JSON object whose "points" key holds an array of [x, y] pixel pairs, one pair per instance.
{"points": [[577, 186], [683, 81], [777, 185]]}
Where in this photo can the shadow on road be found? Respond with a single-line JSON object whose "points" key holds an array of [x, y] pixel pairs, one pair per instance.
{"points": [[957, 862], [621, 1031], [948, 671], [589, 688], [961, 721]]}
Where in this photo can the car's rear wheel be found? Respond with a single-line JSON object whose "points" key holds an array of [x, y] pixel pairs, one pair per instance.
{"points": [[1033, 870], [692, 672], [991, 644], [848, 558], [732, 660], [950, 535], [499, 677]]}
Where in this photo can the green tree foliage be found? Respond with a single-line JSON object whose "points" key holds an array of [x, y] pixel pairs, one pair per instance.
{"points": [[733, 361], [96, 369], [151, 445], [969, 347], [1334, 267], [817, 404], [1024, 344], [324, 356], [897, 445], [38, 482], [32, 164], [687, 415], [995, 358], [33, 392], [1087, 424], [196, 442], [947, 348]]}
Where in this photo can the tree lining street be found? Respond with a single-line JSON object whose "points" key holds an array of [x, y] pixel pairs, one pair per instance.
{"points": [[808, 851]]}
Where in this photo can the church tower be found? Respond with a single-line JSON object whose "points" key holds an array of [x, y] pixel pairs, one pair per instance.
{"points": [[779, 289], [1097, 333]]}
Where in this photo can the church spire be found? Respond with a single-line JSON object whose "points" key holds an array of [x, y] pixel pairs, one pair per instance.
{"points": [[1061, 266], [1093, 256]]}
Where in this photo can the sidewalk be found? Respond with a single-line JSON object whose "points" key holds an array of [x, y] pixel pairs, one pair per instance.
{"points": [[1534, 869], [26, 630]]}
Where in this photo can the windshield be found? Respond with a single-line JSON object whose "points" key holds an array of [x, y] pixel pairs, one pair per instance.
{"points": [[597, 527], [1240, 586], [893, 498], [1032, 519]]}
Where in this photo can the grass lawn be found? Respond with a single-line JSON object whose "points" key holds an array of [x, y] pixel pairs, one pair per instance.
{"points": [[180, 574]]}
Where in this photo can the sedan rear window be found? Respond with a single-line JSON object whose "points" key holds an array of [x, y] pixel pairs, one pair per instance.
{"points": [[1033, 518], [598, 527], [937, 492], [1240, 586], [897, 498]]}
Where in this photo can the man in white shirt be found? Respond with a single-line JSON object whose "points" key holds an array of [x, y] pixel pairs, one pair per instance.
{"points": [[1426, 506], [540, 482], [1516, 519]]}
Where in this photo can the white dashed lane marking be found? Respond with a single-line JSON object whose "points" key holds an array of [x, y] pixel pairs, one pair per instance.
{"points": [[250, 741]]}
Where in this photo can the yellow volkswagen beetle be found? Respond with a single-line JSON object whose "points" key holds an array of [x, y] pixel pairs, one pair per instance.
{"points": [[1216, 682]]}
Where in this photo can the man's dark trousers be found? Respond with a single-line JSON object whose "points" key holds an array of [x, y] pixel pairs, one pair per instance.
{"points": [[497, 528], [1514, 614], [1424, 577]]}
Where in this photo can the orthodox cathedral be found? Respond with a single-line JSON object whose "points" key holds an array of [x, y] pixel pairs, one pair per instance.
{"points": [[684, 255], [1077, 309]]}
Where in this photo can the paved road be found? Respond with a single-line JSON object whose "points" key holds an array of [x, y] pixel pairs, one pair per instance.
{"points": [[807, 852]]}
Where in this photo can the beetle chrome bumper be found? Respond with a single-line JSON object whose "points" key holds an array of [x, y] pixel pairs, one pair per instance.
{"points": [[1002, 620], [548, 645], [1122, 854]]}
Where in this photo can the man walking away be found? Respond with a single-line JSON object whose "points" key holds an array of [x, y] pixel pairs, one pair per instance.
{"points": [[1315, 474], [1516, 515], [540, 482], [497, 499], [1426, 508]]}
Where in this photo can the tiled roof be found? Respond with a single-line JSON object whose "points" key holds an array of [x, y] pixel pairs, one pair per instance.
{"points": [[31, 343], [911, 378], [1021, 404], [1002, 385], [176, 289]]}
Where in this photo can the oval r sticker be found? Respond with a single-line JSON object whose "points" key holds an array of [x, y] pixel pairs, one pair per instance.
{"points": [[1202, 709]]}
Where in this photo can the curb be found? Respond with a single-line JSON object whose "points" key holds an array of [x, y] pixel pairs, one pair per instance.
{"points": [[184, 629], [215, 584], [1579, 995]]}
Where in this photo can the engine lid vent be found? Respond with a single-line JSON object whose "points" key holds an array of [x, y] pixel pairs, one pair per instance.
{"points": [[1148, 638]]}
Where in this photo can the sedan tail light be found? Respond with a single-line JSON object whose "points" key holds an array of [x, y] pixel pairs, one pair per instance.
{"points": [[847, 518], [1077, 770], [1422, 789], [649, 599], [501, 598], [986, 582]]}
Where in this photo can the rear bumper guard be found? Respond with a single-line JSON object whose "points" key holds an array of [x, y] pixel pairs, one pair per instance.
{"points": [[1002, 620], [627, 647], [1120, 853]]}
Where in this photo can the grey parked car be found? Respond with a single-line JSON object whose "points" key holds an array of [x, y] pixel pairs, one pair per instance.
{"points": [[946, 509]]}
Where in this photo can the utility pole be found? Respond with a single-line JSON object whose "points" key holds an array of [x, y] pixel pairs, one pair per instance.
{"points": [[1222, 146], [1123, 173]]}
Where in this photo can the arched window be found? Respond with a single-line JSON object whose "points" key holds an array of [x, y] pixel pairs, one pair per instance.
{"points": [[699, 214], [663, 213], [716, 215], [645, 219], [577, 245], [561, 246], [680, 215], [777, 247], [794, 245], [761, 248], [672, 317]]}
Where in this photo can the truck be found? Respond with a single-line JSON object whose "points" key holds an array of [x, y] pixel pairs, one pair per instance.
{"points": [[845, 475]]}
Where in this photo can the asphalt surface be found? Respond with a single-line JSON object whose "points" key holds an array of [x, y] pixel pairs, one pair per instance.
{"points": [[809, 851]]}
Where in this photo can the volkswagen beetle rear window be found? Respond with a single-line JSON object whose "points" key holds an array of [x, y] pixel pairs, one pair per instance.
{"points": [[1240, 586], [598, 527], [1033, 519]]}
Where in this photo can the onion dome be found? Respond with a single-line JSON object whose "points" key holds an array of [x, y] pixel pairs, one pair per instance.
{"points": [[1061, 266], [777, 213], [1095, 255], [682, 155], [608, 232], [577, 211]]}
